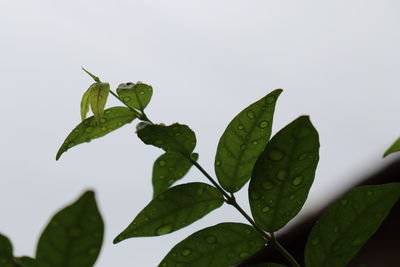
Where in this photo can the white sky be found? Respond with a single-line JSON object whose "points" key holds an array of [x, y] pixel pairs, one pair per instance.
{"points": [[337, 61]]}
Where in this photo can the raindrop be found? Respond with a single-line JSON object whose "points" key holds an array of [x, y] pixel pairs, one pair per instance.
{"points": [[263, 124], [164, 229], [142, 93], [298, 180], [211, 239], [104, 128], [88, 129], [186, 252], [162, 163], [76, 130], [315, 241], [126, 99], [240, 127], [120, 123], [107, 111], [251, 114], [164, 264], [141, 125], [244, 255], [302, 156], [291, 197], [281, 175], [243, 147], [161, 177], [266, 209], [268, 185], [275, 154], [161, 197], [255, 142], [218, 163]]}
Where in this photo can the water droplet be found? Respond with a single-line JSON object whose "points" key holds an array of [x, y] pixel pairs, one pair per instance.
{"points": [[141, 92], [315, 241], [211, 239], [356, 242], [89, 129], [266, 209], [164, 229], [161, 197], [186, 252], [162, 163], [255, 142], [244, 255], [217, 163], [268, 185], [281, 175], [161, 177], [243, 147], [164, 264], [107, 111], [270, 99], [74, 231], [76, 130], [302, 156], [240, 127], [291, 197], [126, 99], [251, 114], [263, 124], [298, 180], [343, 202], [104, 128], [120, 123], [142, 125], [275, 154]]}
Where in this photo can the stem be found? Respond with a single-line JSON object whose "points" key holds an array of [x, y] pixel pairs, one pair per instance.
{"points": [[140, 116], [284, 252]]}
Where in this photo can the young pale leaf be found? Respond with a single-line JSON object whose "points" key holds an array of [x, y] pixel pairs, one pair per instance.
{"points": [[169, 168], [283, 175], [135, 95], [347, 224], [243, 141], [176, 137], [395, 147], [73, 237], [89, 129], [98, 94], [220, 245], [85, 104], [174, 209]]}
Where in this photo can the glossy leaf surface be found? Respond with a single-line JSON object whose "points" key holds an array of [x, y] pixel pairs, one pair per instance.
{"points": [[243, 141], [98, 94], [169, 168], [283, 175], [85, 104], [135, 95], [176, 137], [89, 129], [346, 225], [73, 237], [221, 245], [174, 209], [395, 147]]}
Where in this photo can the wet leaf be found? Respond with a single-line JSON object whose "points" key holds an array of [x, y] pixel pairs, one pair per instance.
{"points": [[220, 245], [347, 224], [266, 265], [135, 95], [25, 261], [176, 137], [89, 129], [98, 95], [169, 168], [283, 175], [174, 209], [243, 141], [85, 104], [73, 237], [6, 252], [395, 147]]}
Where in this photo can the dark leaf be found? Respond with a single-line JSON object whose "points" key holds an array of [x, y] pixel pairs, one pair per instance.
{"points": [[346, 225], [73, 237], [174, 209], [169, 168], [243, 141], [89, 129], [221, 245], [283, 175], [6, 252]]}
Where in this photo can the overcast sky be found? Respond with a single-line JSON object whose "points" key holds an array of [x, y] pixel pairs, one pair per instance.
{"points": [[337, 61]]}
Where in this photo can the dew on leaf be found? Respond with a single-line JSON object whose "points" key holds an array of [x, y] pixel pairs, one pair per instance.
{"points": [[255, 142], [104, 128], [89, 129], [244, 255], [211, 239], [302, 156], [266, 209], [251, 114], [281, 175], [161, 197], [126, 99], [218, 163], [297, 181], [275, 154], [268, 185], [291, 197], [162, 163], [243, 147], [240, 127], [263, 124], [164, 229], [186, 252]]}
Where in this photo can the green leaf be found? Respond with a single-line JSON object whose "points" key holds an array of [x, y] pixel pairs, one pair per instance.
{"points": [[6, 252], [220, 245], [85, 104], [174, 209], [266, 265], [395, 147], [73, 237], [346, 225], [176, 137], [169, 168], [135, 95], [89, 129], [25, 261], [243, 141], [283, 175], [98, 94]]}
